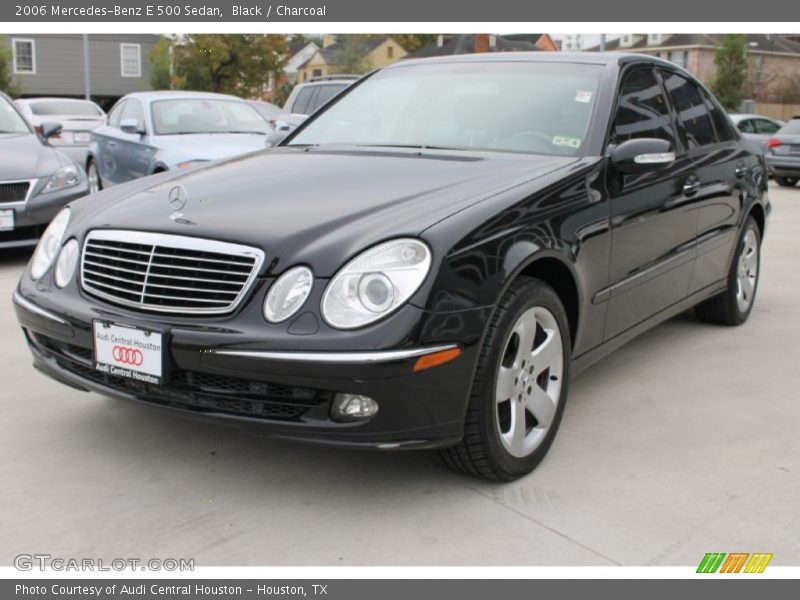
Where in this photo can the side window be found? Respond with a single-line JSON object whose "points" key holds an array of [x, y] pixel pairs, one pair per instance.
{"points": [[766, 127], [115, 116], [720, 120], [692, 111], [133, 110], [642, 110], [746, 126], [303, 100]]}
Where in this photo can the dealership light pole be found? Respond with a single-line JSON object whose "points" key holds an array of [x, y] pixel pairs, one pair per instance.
{"points": [[87, 84]]}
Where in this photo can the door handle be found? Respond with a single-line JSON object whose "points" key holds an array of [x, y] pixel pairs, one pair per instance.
{"points": [[740, 171], [691, 186]]}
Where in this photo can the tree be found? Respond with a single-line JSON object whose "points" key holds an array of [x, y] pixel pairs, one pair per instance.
{"points": [[8, 82], [239, 64], [730, 60], [353, 54], [414, 41], [160, 58]]}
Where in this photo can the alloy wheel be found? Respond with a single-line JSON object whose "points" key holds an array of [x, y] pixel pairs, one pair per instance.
{"points": [[529, 379], [93, 178], [747, 271]]}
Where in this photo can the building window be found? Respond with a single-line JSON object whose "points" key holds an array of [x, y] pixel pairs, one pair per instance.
{"points": [[24, 56], [130, 56], [653, 39], [680, 58], [758, 67], [626, 41], [390, 52], [316, 73]]}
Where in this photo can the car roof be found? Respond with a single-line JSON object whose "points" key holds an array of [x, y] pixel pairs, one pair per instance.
{"points": [[740, 116], [595, 58], [164, 94], [52, 99]]}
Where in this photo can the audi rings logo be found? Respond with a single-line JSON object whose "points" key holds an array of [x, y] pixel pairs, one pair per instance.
{"points": [[128, 356]]}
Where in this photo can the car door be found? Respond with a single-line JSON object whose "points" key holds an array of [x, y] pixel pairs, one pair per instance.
{"points": [[722, 165], [132, 151], [653, 216], [105, 141]]}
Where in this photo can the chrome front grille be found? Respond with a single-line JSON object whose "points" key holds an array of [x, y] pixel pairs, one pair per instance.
{"points": [[167, 273]]}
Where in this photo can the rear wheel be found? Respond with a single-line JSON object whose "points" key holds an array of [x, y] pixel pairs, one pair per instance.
{"points": [[93, 177], [733, 306], [520, 386], [786, 181]]}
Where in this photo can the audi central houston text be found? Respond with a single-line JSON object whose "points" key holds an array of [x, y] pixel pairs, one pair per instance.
{"points": [[424, 263]]}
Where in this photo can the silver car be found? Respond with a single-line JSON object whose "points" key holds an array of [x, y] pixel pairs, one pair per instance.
{"points": [[306, 98], [151, 132], [77, 117], [757, 128], [783, 154]]}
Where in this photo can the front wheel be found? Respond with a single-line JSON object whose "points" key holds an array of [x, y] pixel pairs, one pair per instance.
{"points": [[520, 386], [93, 177], [733, 306], [786, 181]]}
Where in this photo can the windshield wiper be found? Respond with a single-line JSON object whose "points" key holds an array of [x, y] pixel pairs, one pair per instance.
{"points": [[411, 146]]}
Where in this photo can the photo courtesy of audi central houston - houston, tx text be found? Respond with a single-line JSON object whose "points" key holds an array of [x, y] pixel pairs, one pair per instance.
{"points": [[400, 299]]}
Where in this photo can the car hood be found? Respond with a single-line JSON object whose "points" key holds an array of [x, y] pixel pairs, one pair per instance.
{"points": [[318, 207], [216, 146], [23, 156]]}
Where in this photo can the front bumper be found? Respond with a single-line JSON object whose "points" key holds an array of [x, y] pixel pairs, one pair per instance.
{"points": [[32, 216], [284, 393]]}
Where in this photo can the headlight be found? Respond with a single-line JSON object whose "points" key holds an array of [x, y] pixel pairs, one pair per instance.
{"points": [[48, 246], [63, 178], [375, 283], [66, 263], [288, 294]]}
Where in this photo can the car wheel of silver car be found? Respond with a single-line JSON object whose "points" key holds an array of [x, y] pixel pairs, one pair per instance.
{"points": [[520, 386], [733, 306], [93, 178]]}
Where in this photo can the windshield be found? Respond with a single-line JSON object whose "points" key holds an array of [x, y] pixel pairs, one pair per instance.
{"points": [[542, 108], [65, 107], [203, 115], [10, 121]]}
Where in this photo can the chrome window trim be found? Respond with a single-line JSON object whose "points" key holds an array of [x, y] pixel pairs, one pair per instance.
{"points": [[173, 241], [378, 356], [21, 203]]}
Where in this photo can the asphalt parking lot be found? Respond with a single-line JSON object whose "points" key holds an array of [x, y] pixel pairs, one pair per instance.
{"points": [[685, 441]]}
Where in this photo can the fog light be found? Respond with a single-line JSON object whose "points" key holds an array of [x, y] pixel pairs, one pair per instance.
{"points": [[353, 406]]}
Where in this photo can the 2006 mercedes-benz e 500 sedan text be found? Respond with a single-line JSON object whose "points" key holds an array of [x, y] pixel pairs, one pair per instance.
{"points": [[423, 264]]}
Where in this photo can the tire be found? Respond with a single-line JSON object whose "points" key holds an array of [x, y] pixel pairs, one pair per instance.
{"points": [[733, 306], [93, 176], [786, 181], [493, 448]]}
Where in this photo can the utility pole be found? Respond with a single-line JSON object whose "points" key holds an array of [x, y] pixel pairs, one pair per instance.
{"points": [[602, 42], [87, 83]]}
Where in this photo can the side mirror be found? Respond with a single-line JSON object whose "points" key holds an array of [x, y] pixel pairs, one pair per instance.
{"points": [[274, 138], [642, 155], [50, 129], [132, 126]]}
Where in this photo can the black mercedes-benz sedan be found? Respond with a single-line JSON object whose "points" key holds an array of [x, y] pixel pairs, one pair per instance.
{"points": [[424, 263]]}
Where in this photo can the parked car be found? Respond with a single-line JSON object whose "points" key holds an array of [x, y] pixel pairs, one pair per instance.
{"points": [[77, 117], [36, 180], [424, 263], [308, 97], [783, 154], [151, 132], [269, 111]]}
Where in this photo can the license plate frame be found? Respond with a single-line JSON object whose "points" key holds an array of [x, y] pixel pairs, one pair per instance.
{"points": [[129, 351]]}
